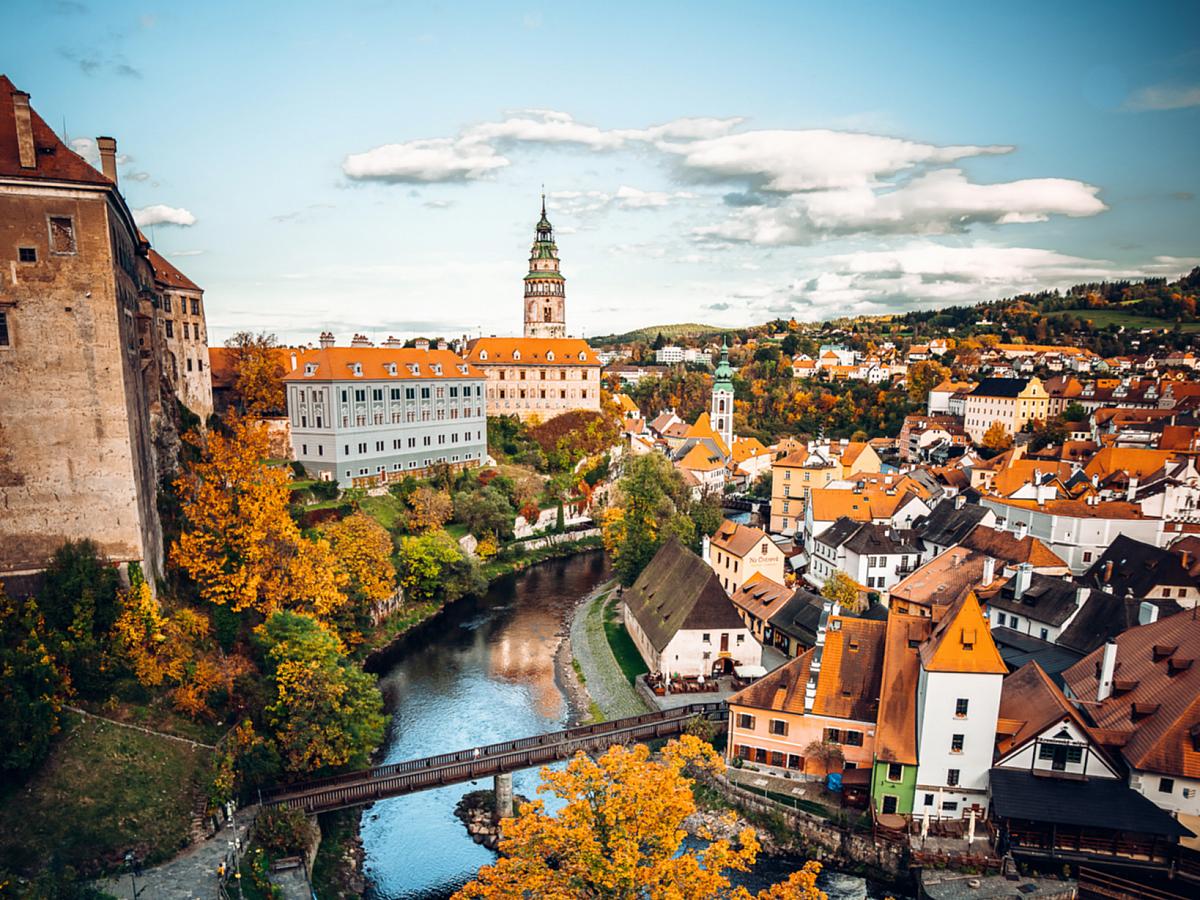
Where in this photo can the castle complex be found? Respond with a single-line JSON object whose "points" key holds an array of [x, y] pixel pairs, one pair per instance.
{"points": [[101, 341], [545, 373]]}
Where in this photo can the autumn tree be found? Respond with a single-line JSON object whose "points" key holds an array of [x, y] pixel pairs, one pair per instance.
{"points": [[424, 562], [363, 552], [257, 373], [485, 512], [325, 711], [997, 437], [33, 687], [649, 507], [840, 588], [923, 377], [431, 509], [620, 835], [825, 754], [239, 543]]}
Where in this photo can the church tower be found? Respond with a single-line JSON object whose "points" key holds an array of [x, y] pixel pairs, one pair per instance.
{"points": [[721, 414], [545, 288]]}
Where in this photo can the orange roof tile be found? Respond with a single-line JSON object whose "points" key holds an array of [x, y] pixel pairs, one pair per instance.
{"points": [[737, 539], [524, 351], [962, 642], [700, 459], [1135, 462], [380, 364], [168, 275], [896, 731]]}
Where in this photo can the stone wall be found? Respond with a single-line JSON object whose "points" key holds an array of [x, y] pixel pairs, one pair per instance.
{"points": [[77, 455]]}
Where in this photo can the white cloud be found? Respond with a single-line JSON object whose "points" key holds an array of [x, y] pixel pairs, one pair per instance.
{"points": [[183, 252], [86, 147], [787, 161], [937, 202], [1162, 96], [632, 198], [425, 161], [161, 214]]}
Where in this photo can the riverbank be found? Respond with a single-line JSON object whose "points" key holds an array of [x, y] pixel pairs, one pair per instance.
{"points": [[591, 660]]}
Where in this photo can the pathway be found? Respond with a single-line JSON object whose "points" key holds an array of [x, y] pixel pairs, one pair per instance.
{"points": [[190, 876], [605, 681], [131, 727]]}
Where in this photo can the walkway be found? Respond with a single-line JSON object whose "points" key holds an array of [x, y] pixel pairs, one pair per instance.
{"points": [[396, 779], [604, 680], [190, 876]]}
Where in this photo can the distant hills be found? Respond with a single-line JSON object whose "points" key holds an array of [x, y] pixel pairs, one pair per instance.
{"points": [[647, 335]]}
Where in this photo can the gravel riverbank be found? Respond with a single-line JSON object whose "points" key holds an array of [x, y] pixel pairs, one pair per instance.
{"points": [[603, 680]]}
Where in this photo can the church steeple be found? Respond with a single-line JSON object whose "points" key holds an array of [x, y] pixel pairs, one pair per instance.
{"points": [[722, 398], [545, 287]]}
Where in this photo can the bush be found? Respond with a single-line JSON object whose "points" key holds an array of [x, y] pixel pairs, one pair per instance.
{"points": [[282, 831], [324, 490], [298, 469]]}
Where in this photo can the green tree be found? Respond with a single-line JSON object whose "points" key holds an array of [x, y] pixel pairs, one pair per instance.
{"points": [[1075, 412], [648, 510], [485, 511], [32, 686], [425, 560], [325, 711], [78, 600]]}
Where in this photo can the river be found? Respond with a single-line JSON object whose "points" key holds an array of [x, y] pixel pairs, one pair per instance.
{"points": [[482, 672]]}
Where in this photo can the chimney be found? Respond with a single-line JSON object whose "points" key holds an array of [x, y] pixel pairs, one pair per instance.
{"points": [[1021, 580], [108, 157], [1044, 492], [1081, 596], [1131, 490], [23, 117], [360, 340], [706, 550], [393, 342], [421, 344], [1020, 529], [1108, 567], [326, 339], [989, 570], [1108, 666], [293, 356], [441, 345], [1147, 613]]}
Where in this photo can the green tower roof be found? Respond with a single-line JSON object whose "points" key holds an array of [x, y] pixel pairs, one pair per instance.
{"points": [[723, 377]]}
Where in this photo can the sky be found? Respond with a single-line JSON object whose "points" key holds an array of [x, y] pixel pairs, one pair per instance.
{"points": [[376, 167]]}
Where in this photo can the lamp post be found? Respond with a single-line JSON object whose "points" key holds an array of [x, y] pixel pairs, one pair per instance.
{"points": [[236, 844], [131, 861]]}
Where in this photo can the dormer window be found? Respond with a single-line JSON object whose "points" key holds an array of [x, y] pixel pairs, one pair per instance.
{"points": [[310, 368], [462, 367], [483, 354], [391, 368], [437, 368], [550, 355], [516, 354], [357, 368], [582, 356], [414, 369]]}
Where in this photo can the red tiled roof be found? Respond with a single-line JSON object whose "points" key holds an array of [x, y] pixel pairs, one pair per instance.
{"points": [[54, 159], [167, 274]]}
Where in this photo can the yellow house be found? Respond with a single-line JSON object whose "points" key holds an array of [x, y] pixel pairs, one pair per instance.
{"points": [[1010, 401], [737, 552], [792, 477]]}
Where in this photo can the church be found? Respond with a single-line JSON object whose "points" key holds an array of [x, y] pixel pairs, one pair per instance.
{"points": [[544, 373]]}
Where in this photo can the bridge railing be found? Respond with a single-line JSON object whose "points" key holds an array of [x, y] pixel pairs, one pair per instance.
{"points": [[461, 765]]}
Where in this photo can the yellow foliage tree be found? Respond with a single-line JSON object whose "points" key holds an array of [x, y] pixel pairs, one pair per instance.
{"points": [[620, 836], [239, 543], [431, 509], [363, 550], [841, 588], [997, 437], [258, 373]]}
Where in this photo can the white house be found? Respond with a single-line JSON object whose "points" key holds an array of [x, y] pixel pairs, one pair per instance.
{"points": [[682, 621], [737, 552], [958, 705], [875, 556]]}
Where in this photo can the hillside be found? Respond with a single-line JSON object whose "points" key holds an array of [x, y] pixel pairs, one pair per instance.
{"points": [[691, 330]]}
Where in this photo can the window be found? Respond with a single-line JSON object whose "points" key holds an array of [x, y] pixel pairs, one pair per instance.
{"points": [[960, 707], [956, 743], [4, 338], [186, 331], [895, 771], [1045, 633], [706, 638], [62, 235], [27, 254], [195, 307], [745, 721], [929, 799], [360, 395], [170, 326], [950, 805], [1166, 785], [852, 738], [952, 777], [779, 727]]}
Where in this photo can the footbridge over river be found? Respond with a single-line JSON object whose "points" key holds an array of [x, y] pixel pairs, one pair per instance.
{"points": [[393, 780]]}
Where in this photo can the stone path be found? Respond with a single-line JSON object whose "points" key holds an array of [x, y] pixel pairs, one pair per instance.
{"points": [[131, 727], [190, 876], [605, 681]]}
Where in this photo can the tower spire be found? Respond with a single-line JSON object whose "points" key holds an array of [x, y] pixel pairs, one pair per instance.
{"points": [[545, 290], [543, 201]]}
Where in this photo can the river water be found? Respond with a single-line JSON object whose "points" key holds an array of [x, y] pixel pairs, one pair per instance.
{"points": [[482, 672]]}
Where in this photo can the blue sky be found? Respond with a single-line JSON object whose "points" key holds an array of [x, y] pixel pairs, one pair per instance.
{"points": [[375, 167]]}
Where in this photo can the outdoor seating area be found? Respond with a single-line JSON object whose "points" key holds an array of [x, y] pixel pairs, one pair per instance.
{"points": [[681, 684]]}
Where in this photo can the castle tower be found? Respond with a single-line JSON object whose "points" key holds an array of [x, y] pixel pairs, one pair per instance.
{"points": [[545, 288], [722, 398]]}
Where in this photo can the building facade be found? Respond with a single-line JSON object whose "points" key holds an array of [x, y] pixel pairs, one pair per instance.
{"points": [[545, 287], [1010, 401], [722, 398], [86, 422], [184, 334], [364, 415], [536, 377]]}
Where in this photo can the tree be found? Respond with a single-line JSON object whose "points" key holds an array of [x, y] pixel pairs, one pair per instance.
{"points": [[424, 560], [923, 377], [33, 687], [840, 588], [431, 509], [650, 498], [239, 543], [78, 600], [326, 712], [997, 437], [257, 373], [485, 512], [1075, 412], [362, 549], [620, 836], [826, 754]]}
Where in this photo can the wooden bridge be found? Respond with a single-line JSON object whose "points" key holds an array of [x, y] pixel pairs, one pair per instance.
{"points": [[396, 779]]}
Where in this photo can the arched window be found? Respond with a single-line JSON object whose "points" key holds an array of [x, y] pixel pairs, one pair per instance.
{"points": [[546, 314]]}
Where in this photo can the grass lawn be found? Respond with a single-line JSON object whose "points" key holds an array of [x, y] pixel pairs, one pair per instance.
{"points": [[1102, 318], [103, 790], [622, 645], [388, 510]]}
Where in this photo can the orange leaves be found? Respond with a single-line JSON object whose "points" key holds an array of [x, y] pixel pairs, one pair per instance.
{"points": [[620, 835], [431, 509], [258, 373], [363, 551]]}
